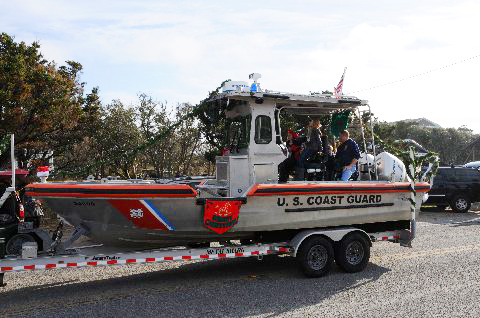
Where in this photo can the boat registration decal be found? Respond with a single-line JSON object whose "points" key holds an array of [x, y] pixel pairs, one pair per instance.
{"points": [[221, 216], [225, 250], [143, 214]]}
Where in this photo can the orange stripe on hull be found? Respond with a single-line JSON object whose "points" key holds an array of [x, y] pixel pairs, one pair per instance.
{"points": [[123, 196], [337, 188], [108, 190]]}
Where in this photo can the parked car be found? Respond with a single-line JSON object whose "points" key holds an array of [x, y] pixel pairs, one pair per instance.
{"points": [[473, 165], [458, 187]]}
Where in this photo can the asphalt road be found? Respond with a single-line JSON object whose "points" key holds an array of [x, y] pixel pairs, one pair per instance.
{"points": [[438, 277]]}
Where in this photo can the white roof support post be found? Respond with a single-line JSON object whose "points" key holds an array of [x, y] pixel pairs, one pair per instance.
{"points": [[12, 153], [11, 189]]}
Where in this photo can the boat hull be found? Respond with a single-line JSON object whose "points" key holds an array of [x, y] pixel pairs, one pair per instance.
{"points": [[117, 216]]}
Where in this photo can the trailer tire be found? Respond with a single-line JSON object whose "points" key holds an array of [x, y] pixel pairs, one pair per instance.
{"points": [[352, 253], [14, 244], [315, 256]]}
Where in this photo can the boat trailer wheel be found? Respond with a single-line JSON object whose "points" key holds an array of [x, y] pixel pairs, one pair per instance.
{"points": [[352, 252], [14, 244], [315, 256]]}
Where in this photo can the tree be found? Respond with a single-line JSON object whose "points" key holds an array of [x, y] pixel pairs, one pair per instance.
{"points": [[178, 151], [211, 114], [116, 140], [449, 143], [40, 102]]}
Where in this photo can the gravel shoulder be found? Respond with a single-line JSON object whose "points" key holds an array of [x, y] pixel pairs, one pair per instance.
{"points": [[438, 277]]}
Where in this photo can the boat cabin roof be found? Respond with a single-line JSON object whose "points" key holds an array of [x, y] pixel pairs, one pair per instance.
{"points": [[298, 104]]}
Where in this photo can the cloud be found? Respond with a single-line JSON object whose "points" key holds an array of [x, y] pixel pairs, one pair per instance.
{"points": [[178, 51]]}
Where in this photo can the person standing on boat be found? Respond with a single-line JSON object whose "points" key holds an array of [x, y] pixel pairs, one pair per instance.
{"points": [[287, 165], [347, 155], [312, 146], [329, 163]]}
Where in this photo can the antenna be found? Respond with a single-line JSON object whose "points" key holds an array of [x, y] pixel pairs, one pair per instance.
{"points": [[255, 77], [255, 87]]}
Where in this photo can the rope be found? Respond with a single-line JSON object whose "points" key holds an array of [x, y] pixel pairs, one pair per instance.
{"points": [[416, 75]]}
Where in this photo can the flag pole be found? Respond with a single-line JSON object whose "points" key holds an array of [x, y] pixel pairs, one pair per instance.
{"points": [[338, 89]]}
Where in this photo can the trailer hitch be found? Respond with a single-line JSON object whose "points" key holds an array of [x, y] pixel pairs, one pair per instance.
{"points": [[59, 247]]}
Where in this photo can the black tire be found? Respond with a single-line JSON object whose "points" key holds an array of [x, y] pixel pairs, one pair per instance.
{"points": [[315, 256], [460, 203], [14, 244], [352, 253]]}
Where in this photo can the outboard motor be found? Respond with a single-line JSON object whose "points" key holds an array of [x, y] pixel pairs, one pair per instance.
{"points": [[390, 168], [366, 165]]}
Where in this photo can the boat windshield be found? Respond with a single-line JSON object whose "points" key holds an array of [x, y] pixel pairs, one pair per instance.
{"points": [[238, 132]]}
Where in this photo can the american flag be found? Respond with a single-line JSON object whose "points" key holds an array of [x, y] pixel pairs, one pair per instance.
{"points": [[338, 89]]}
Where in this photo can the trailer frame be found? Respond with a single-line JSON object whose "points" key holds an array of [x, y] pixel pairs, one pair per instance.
{"points": [[94, 256]]}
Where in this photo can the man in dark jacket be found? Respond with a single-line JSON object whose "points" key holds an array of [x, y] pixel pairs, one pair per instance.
{"points": [[294, 146], [312, 145], [347, 155]]}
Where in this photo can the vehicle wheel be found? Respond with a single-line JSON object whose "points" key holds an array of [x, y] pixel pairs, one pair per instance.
{"points": [[352, 253], [315, 256], [14, 244], [460, 203]]}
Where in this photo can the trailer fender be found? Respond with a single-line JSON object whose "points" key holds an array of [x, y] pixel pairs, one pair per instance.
{"points": [[335, 235]]}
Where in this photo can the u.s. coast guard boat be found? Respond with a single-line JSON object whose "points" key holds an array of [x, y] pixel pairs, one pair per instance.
{"points": [[245, 200]]}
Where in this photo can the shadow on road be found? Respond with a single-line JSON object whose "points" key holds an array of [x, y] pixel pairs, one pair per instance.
{"points": [[233, 288]]}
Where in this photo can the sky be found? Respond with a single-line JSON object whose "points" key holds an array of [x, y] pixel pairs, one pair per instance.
{"points": [[178, 51]]}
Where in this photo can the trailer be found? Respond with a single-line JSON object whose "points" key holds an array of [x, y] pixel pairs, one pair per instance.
{"points": [[316, 250]]}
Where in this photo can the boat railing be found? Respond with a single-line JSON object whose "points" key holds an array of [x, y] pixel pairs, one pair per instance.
{"points": [[139, 181]]}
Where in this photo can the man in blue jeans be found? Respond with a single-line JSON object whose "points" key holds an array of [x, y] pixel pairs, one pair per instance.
{"points": [[347, 155]]}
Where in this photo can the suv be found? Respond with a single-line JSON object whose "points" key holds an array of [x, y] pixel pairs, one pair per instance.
{"points": [[455, 186]]}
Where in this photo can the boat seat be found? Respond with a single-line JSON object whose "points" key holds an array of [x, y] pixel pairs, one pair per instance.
{"points": [[315, 168]]}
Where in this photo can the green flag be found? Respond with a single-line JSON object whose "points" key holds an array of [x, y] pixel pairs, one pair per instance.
{"points": [[339, 122]]}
